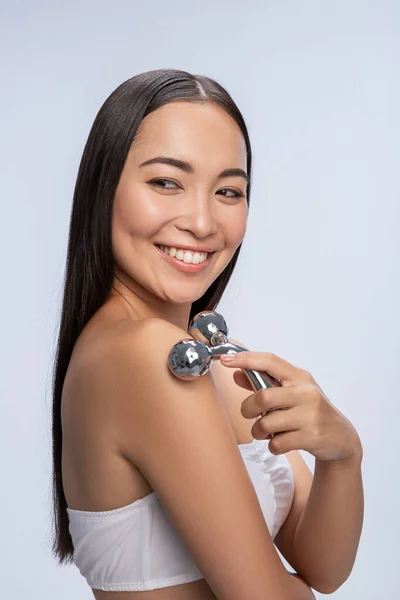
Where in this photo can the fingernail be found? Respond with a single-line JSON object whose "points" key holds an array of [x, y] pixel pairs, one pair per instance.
{"points": [[227, 357]]}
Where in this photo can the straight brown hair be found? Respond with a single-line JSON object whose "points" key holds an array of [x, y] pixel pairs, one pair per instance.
{"points": [[89, 271]]}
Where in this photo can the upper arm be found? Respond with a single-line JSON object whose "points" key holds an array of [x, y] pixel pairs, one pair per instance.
{"points": [[179, 436]]}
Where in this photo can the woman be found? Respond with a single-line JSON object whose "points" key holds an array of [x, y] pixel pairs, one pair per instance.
{"points": [[160, 489]]}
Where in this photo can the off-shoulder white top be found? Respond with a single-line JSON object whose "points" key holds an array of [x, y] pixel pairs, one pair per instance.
{"points": [[136, 548]]}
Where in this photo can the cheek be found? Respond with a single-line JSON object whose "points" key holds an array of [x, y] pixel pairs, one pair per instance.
{"points": [[235, 226], [135, 215]]}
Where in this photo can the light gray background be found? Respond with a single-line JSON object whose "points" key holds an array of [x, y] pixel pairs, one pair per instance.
{"points": [[317, 283]]}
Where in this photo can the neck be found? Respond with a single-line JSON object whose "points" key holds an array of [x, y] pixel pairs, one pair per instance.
{"points": [[140, 304]]}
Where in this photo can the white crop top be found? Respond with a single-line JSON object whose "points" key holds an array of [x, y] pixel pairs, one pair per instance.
{"points": [[136, 548]]}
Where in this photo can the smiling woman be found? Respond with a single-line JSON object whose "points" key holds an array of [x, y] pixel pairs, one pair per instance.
{"points": [[159, 489], [195, 211]]}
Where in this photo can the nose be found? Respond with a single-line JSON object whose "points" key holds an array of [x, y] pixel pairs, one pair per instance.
{"points": [[199, 216]]}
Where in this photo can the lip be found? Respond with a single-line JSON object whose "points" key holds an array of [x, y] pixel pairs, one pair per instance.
{"points": [[191, 248], [182, 266]]}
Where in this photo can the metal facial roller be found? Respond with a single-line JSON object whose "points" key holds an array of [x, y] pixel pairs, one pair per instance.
{"points": [[192, 358]]}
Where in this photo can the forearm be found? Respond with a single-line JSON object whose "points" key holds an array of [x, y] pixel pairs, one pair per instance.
{"points": [[327, 536]]}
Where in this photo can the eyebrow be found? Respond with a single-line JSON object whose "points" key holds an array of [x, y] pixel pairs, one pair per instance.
{"points": [[188, 168]]}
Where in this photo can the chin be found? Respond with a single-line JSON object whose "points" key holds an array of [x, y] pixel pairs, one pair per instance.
{"points": [[181, 298]]}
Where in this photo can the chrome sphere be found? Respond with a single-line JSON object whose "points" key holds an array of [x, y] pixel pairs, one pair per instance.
{"points": [[189, 359], [209, 327]]}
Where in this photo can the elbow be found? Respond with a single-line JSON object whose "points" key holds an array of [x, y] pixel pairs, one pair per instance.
{"points": [[325, 589], [324, 583]]}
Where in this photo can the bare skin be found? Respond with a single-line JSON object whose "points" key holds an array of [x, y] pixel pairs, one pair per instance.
{"points": [[97, 477], [114, 481], [203, 206], [198, 209]]}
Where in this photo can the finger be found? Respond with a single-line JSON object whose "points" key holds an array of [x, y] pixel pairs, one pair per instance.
{"points": [[241, 379], [277, 422], [270, 398], [285, 442], [263, 361]]}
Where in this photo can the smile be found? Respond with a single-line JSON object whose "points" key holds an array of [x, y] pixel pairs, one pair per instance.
{"points": [[187, 256], [185, 263]]}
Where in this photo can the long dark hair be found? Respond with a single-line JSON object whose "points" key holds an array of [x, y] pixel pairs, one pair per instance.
{"points": [[89, 272]]}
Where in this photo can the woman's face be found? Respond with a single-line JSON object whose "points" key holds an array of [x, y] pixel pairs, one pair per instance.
{"points": [[195, 207]]}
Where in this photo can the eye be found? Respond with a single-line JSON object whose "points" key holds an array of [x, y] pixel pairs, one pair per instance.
{"points": [[159, 182], [235, 192]]}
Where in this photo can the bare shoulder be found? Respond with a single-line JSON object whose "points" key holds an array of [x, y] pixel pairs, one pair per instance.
{"points": [[105, 362], [178, 434], [100, 352], [137, 364]]}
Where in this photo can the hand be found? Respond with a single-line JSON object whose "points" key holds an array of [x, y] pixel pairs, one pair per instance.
{"points": [[307, 419]]}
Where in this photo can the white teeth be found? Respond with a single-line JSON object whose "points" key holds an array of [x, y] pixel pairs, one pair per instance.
{"points": [[185, 255]]}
